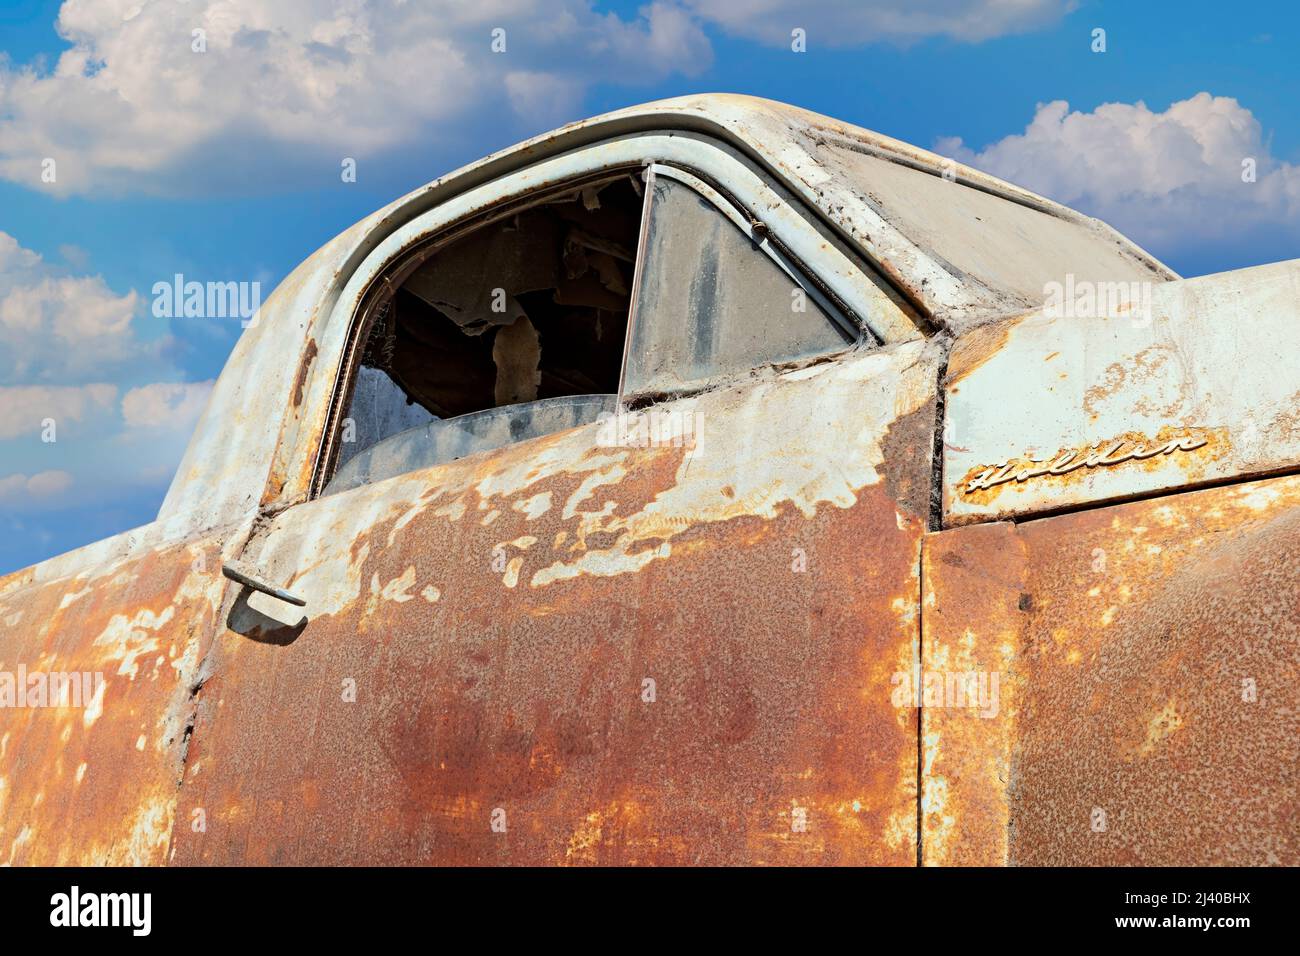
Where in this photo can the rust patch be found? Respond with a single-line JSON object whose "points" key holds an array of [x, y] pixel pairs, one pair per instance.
{"points": [[1112, 380], [1154, 660], [274, 486], [96, 784], [973, 607], [1142, 374], [976, 346], [908, 440], [309, 356]]}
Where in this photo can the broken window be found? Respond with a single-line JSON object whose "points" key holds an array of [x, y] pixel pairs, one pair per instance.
{"points": [[517, 328], [514, 331]]}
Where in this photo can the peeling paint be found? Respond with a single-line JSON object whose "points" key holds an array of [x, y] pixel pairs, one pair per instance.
{"points": [[503, 690]]}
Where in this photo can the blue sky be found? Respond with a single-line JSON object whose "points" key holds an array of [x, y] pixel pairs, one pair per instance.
{"points": [[224, 164]]}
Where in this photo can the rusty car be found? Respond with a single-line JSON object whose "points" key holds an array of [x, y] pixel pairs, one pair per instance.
{"points": [[709, 482]]}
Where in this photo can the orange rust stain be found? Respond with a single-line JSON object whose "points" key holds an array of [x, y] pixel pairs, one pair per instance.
{"points": [[1113, 379], [79, 790], [274, 487], [309, 356], [1114, 721], [977, 346]]}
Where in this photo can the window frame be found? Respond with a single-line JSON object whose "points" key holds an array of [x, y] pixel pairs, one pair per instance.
{"points": [[851, 283]]}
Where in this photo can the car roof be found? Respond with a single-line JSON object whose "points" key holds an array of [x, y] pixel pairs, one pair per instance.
{"points": [[809, 155]]}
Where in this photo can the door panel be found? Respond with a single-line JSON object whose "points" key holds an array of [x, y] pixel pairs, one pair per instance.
{"points": [[1147, 669], [96, 782], [504, 615]]}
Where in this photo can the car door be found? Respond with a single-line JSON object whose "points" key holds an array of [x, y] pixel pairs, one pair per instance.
{"points": [[674, 634]]}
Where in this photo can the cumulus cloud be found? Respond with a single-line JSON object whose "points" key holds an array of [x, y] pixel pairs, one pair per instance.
{"points": [[68, 350], [158, 97], [19, 489], [60, 328], [839, 23], [142, 100], [1199, 172], [25, 408], [165, 406]]}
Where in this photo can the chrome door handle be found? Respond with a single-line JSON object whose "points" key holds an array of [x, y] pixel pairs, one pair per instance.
{"points": [[241, 573]]}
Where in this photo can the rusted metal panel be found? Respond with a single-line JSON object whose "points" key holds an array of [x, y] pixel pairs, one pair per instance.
{"points": [[1148, 703], [968, 691], [1181, 386], [501, 616], [96, 781]]}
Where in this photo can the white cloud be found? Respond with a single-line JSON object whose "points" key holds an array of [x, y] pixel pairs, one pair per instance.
{"points": [[17, 489], [840, 23], [1170, 180], [56, 327], [74, 331], [24, 408], [282, 92], [297, 82], [165, 406]]}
